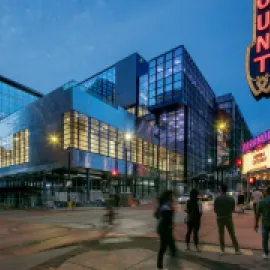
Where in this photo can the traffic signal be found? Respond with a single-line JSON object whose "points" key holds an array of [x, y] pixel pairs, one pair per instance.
{"points": [[239, 162], [252, 180], [114, 172]]}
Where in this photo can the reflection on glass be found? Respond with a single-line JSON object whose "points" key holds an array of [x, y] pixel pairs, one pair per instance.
{"points": [[13, 99], [14, 150]]}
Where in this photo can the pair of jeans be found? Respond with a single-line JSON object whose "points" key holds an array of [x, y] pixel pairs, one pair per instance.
{"points": [[255, 208], [265, 237], [166, 239], [193, 226], [228, 223]]}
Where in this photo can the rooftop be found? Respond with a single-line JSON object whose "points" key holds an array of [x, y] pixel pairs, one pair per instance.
{"points": [[20, 86]]}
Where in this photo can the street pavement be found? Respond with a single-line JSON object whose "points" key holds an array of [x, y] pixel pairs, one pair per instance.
{"points": [[66, 239]]}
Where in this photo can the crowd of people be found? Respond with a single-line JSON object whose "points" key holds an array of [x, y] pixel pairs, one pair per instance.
{"points": [[224, 206]]}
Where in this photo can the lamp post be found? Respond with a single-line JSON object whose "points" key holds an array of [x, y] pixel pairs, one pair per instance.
{"points": [[128, 137], [69, 165], [54, 140], [209, 161]]}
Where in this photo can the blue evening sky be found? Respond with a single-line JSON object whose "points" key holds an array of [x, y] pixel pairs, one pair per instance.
{"points": [[45, 43]]}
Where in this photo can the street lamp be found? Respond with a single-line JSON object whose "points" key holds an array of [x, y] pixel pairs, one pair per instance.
{"points": [[53, 139], [222, 126], [128, 137]]}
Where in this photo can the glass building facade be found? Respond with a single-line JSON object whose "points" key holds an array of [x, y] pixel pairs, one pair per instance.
{"points": [[232, 131], [102, 85], [88, 134], [165, 103], [14, 96], [177, 94]]}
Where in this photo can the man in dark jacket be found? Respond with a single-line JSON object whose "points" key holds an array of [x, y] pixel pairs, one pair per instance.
{"points": [[224, 206], [165, 214]]}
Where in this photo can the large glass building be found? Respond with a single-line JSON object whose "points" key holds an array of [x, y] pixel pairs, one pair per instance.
{"points": [[152, 123], [183, 105]]}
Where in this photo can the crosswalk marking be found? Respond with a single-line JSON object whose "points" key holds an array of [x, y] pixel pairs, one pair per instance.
{"points": [[229, 251], [115, 240], [113, 234], [216, 249]]}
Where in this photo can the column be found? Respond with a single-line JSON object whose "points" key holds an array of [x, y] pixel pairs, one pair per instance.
{"points": [[53, 187], [88, 180], [44, 187]]}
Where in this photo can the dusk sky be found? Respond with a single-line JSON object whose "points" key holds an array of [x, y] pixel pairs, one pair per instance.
{"points": [[45, 43]]}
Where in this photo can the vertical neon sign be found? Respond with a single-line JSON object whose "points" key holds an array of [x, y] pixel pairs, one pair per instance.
{"points": [[258, 53]]}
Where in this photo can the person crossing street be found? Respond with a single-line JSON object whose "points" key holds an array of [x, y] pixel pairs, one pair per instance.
{"points": [[224, 206]]}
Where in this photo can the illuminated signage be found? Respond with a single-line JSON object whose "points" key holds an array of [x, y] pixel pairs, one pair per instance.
{"points": [[256, 160], [256, 142], [258, 53]]}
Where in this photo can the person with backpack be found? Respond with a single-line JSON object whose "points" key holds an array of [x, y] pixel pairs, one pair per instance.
{"points": [[165, 215], [193, 219]]}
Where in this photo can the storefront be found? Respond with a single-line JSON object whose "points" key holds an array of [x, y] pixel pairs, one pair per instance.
{"points": [[256, 158]]}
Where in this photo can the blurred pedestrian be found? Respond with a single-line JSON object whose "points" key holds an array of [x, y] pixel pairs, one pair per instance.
{"points": [[256, 196], [165, 215], [263, 209], [193, 220], [224, 206]]}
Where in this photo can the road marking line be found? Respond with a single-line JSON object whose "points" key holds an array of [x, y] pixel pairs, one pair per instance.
{"points": [[115, 240], [112, 234], [229, 251]]}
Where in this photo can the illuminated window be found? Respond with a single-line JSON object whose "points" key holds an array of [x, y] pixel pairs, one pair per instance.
{"points": [[74, 130], [112, 141], [67, 130], [146, 153], [151, 154], [94, 136], [120, 143], [155, 156], [134, 149], [83, 132], [140, 151], [14, 150], [104, 133], [131, 110]]}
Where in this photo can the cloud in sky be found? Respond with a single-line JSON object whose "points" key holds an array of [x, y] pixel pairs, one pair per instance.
{"points": [[49, 42]]}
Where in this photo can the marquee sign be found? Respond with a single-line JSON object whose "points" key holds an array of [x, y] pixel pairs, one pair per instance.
{"points": [[258, 53], [256, 160], [257, 142]]}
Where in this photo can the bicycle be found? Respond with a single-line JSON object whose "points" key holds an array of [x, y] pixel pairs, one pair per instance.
{"points": [[109, 221]]}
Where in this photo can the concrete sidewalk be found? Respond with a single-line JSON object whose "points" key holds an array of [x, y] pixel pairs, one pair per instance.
{"points": [[121, 253]]}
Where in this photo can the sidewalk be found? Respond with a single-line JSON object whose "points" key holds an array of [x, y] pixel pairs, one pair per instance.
{"points": [[120, 253], [244, 228]]}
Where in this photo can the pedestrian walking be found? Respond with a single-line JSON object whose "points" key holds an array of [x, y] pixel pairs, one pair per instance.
{"points": [[224, 206], [263, 210], [165, 215], [256, 196], [193, 219]]}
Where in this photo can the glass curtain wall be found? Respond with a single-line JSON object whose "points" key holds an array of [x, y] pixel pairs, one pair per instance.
{"points": [[102, 85], [14, 150], [108, 141], [165, 79], [13, 99], [200, 119]]}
